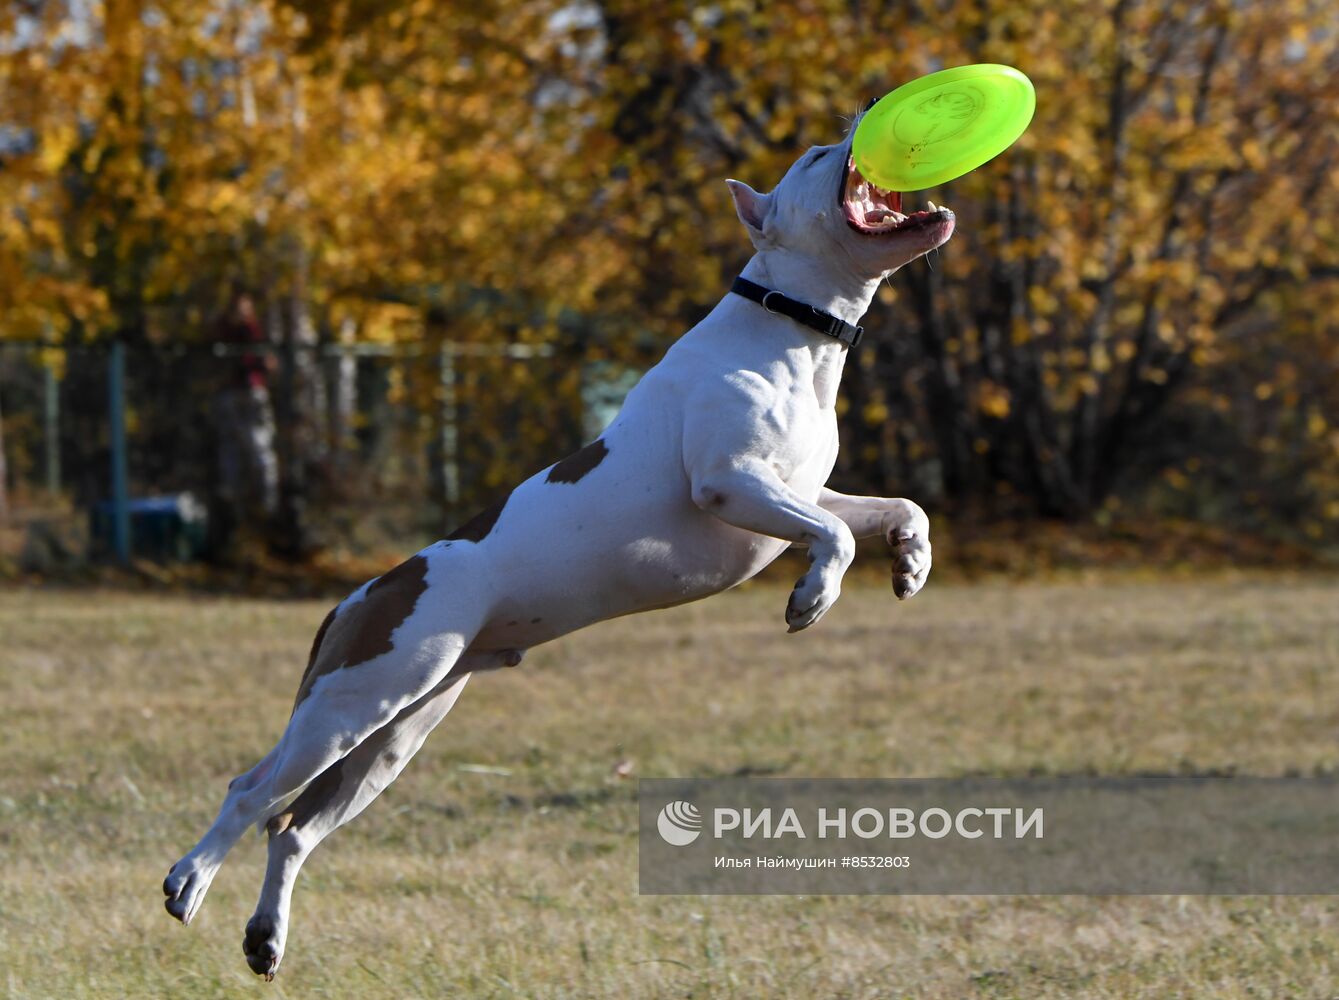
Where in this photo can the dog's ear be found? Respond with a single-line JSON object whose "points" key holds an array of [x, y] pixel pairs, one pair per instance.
{"points": [[753, 209]]}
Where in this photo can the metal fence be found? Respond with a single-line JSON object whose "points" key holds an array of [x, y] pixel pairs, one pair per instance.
{"points": [[369, 443]]}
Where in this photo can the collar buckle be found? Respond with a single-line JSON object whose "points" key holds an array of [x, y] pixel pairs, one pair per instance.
{"points": [[779, 304]]}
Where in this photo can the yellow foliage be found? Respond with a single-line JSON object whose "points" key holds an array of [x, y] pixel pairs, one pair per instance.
{"points": [[875, 414], [993, 400], [507, 164]]}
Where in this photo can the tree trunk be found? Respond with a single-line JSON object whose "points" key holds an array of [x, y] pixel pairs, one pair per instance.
{"points": [[4, 476], [290, 535]]}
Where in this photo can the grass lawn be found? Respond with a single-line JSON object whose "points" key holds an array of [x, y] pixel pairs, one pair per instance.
{"points": [[503, 863]]}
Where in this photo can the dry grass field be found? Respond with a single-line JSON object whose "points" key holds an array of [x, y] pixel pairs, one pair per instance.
{"points": [[504, 862]]}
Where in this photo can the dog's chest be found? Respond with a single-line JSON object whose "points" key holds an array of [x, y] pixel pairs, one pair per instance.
{"points": [[801, 434], [815, 454]]}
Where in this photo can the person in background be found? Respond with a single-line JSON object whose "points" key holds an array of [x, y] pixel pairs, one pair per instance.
{"points": [[248, 466]]}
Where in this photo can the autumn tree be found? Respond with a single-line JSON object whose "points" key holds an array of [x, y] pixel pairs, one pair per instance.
{"points": [[1137, 306]]}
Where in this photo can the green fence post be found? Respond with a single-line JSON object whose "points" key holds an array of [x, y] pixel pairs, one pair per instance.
{"points": [[51, 430]]}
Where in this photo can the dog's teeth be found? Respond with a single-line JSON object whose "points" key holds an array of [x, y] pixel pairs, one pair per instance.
{"points": [[881, 217], [932, 207]]}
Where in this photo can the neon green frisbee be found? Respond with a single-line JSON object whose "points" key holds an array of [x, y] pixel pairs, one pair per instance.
{"points": [[943, 125]]}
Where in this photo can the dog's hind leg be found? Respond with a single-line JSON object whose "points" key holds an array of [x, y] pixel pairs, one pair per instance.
{"points": [[341, 792], [384, 649]]}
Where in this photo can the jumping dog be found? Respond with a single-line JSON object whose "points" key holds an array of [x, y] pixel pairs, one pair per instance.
{"points": [[715, 464]]}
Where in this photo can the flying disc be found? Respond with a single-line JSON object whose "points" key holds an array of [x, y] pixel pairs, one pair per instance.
{"points": [[942, 126]]}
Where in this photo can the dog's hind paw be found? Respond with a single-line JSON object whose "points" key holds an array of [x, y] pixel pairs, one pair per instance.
{"points": [[185, 888], [262, 946]]}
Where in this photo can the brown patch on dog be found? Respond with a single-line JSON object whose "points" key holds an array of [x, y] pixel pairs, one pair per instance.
{"points": [[573, 468], [316, 648], [313, 799], [478, 527], [364, 630]]}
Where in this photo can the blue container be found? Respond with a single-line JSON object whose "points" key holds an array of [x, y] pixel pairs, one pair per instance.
{"points": [[164, 529]]}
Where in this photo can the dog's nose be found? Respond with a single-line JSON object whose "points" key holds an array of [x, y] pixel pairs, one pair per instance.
{"points": [[870, 103]]}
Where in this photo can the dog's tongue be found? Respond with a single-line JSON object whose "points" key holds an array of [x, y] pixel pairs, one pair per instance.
{"points": [[890, 208], [891, 205]]}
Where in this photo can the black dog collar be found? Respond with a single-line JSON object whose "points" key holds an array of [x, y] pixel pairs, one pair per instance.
{"points": [[774, 302]]}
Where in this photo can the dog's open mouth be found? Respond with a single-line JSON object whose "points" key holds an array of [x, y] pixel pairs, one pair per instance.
{"points": [[872, 210]]}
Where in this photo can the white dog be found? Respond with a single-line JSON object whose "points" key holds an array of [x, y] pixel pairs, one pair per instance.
{"points": [[714, 465]]}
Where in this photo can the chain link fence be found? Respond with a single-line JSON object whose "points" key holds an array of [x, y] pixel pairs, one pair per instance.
{"points": [[352, 447]]}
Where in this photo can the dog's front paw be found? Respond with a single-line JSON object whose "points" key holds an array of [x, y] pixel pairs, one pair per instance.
{"points": [[810, 600], [910, 547]]}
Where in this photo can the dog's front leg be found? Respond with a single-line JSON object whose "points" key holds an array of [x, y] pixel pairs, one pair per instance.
{"points": [[901, 523], [747, 493]]}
